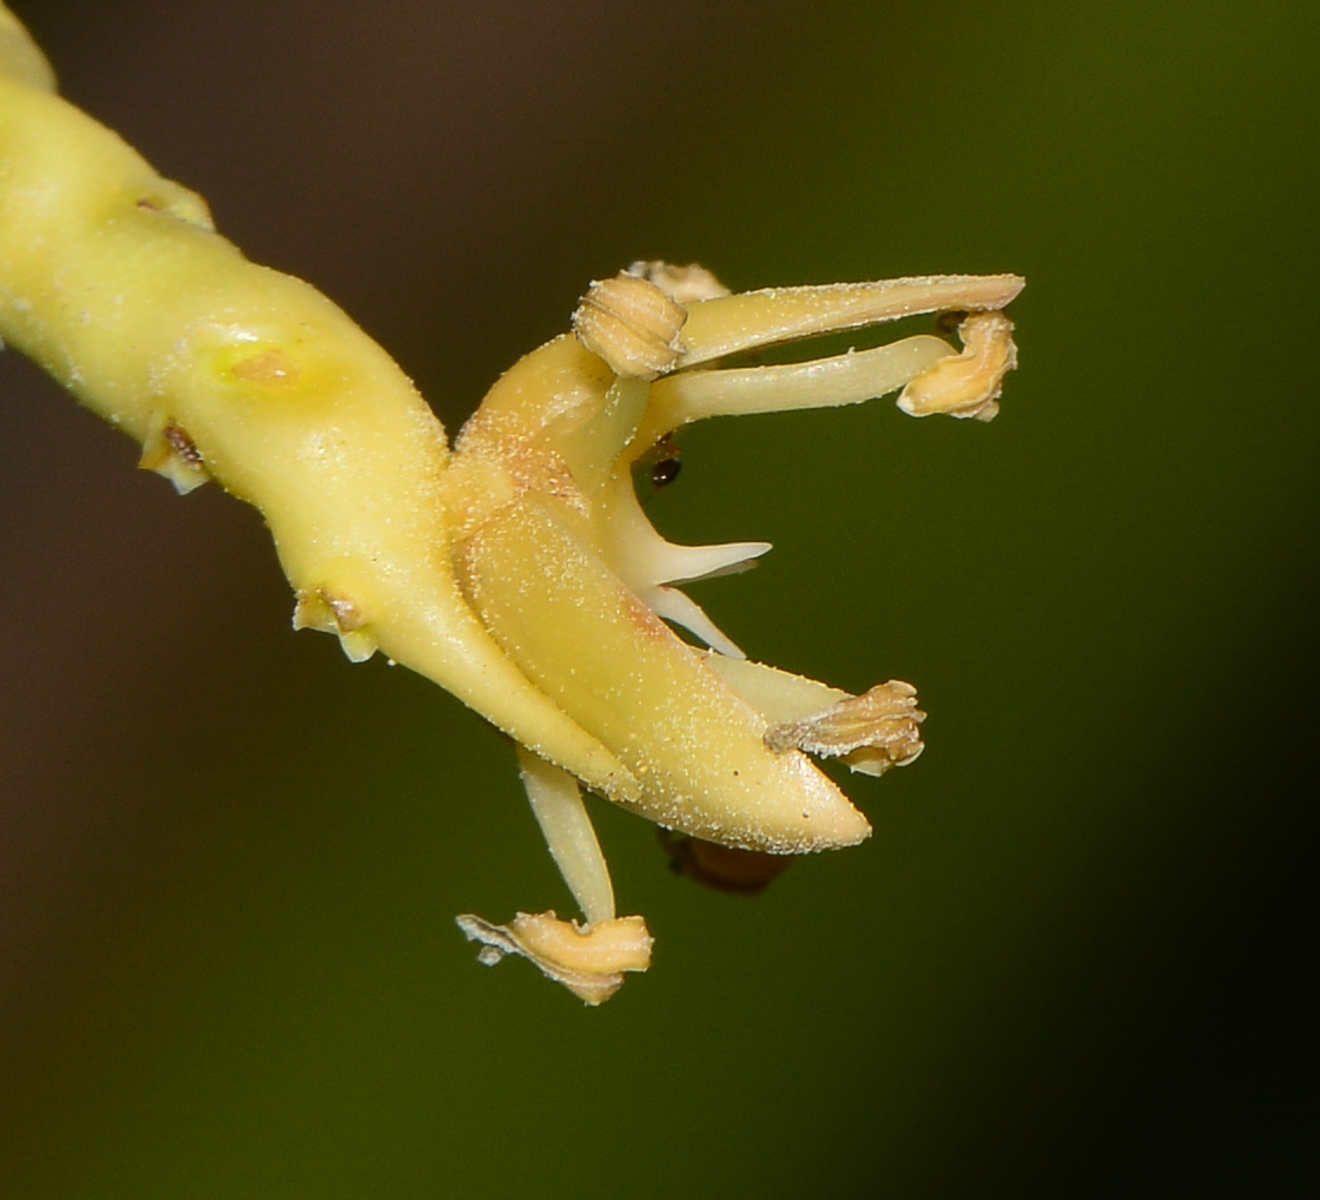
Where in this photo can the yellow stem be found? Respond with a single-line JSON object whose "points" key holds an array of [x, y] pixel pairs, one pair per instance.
{"points": [[113, 279]]}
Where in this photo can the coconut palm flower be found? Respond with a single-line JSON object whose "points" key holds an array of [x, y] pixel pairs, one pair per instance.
{"points": [[562, 566], [517, 568]]}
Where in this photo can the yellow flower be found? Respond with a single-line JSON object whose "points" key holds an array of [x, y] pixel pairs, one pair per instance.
{"points": [[517, 569], [560, 563]]}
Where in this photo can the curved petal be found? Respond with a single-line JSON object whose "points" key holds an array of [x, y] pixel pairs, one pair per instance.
{"points": [[623, 675]]}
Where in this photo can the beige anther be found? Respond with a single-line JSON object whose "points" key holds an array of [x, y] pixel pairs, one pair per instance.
{"points": [[632, 324], [871, 732], [969, 385], [588, 961]]}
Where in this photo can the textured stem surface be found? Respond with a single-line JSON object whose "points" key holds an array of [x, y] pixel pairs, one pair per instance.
{"points": [[113, 279]]}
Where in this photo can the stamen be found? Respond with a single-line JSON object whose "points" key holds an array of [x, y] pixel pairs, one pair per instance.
{"points": [[557, 805], [731, 324], [880, 726], [824, 383], [870, 733], [632, 324], [969, 385]]}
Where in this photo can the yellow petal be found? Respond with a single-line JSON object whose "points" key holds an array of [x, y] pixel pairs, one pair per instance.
{"points": [[611, 664]]}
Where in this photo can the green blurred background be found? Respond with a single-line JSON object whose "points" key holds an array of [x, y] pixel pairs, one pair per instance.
{"points": [[1079, 956]]}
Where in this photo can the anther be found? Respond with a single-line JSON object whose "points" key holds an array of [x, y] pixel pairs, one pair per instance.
{"points": [[871, 732], [632, 324]]}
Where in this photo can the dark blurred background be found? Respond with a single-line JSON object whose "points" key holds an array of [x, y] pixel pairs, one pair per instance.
{"points": [[1079, 956]]}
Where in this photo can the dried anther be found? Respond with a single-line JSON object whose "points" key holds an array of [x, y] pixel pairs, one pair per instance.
{"points": [[871, 732], [589, 961], [632, 324], [969, 385]]}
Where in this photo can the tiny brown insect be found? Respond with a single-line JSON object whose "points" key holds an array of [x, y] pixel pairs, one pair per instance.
{"points": [[668, 463], [664, 472]]}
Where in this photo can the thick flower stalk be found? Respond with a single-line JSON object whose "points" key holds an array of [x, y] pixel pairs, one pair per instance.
{"points": [[517, 569]]}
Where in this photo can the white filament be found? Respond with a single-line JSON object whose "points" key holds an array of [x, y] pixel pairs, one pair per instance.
{"points": [[557, 805]]}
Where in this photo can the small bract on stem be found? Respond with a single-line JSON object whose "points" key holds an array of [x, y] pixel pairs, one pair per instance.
{"points": [[517, 569]]}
